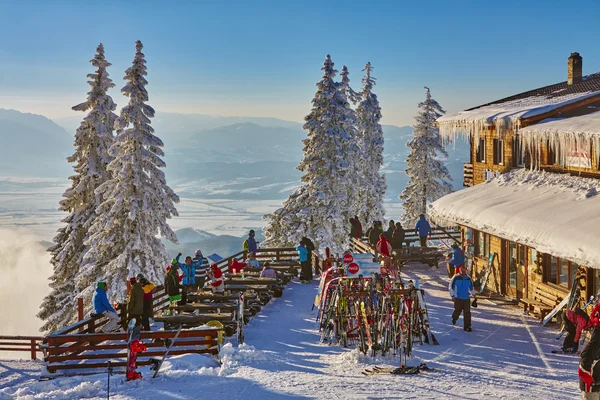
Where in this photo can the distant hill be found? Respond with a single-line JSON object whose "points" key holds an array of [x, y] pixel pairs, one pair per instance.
{"points": [[192, 239], [33, 145]]}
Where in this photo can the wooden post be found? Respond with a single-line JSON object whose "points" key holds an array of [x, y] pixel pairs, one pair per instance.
{"points": [[33, 350], [80, 308]]}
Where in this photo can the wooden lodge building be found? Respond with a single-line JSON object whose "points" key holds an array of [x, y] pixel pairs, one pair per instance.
{"points": [[532, 189]]}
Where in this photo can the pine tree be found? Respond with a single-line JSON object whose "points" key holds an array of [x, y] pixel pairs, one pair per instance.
{"points": [[319, 208], [372, 191], [136, 200], [92, 141], [428, 177]]}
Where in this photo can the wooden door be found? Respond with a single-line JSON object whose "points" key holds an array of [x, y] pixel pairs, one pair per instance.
{"points": [[511, 269]]}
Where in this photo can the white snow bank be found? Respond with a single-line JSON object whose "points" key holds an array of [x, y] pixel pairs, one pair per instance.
{"points": [[553, 213], [233, 357], [502, 116]]}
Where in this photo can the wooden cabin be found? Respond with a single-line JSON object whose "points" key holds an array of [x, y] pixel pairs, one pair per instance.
{"points": [[531, 187]]}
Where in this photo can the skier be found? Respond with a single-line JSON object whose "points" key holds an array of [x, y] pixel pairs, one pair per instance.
{"points": [[589, 367], [423, 229], [359, 231], [268, 272], [148, 311], [458, 258], [103, 307], [201, 268], [135, 303], [189, 271], [461, 289], [398, 236], [310, 247], [576, 321], [216, 279], [305, 270], [172, 285], [250, 243]]}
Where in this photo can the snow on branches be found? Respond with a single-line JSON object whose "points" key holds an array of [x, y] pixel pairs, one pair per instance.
{"points": [[428, 177], [373, 187], [321, 207], [136, 201], [92, 141]]}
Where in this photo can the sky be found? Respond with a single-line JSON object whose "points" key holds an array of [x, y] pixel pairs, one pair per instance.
{"points": [[263, 58]]}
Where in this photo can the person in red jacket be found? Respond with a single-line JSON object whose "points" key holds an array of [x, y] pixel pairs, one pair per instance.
{"points": [[216, 279], [384, 246], [589, 367], [575, 322]]}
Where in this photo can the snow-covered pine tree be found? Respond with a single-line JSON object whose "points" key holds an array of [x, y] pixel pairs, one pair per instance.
{"points": [[372, 191], [428, 177], [92, 141], [354, 157], [319, 208], [136, 200]]}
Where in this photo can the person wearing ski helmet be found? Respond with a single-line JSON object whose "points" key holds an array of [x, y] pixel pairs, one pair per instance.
{"points": [[102, 307]]}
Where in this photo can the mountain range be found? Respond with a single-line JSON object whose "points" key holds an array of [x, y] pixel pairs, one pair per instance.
{"points": [[206, 156]]}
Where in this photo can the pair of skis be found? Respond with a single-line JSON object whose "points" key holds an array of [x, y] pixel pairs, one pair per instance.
{"points": [[404, 370], [158, 363]]}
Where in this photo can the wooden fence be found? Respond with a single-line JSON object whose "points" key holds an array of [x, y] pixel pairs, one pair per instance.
{"points": [[21, 343]]}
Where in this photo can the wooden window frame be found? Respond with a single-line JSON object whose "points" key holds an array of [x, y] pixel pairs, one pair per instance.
{"points": [[480, 152], [498, 151], [557, 280], [518, 158]]}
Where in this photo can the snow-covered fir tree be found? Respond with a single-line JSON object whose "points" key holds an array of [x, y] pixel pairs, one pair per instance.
{"points": [[319, 208], [372, 191], [92, 141], [136, 200], [428, 176]]}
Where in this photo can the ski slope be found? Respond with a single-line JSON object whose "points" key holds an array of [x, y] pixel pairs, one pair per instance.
{"points": [[507, 356]]}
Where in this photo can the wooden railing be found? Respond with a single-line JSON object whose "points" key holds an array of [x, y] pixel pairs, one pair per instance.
{"points": [[74, 351], [21, 343], [468, 175]]}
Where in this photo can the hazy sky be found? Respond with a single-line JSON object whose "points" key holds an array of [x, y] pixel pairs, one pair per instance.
{"points": [[262, 58]]}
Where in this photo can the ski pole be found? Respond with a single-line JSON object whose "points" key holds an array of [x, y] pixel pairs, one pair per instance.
{"points": [[561, 334], [109, 374]]}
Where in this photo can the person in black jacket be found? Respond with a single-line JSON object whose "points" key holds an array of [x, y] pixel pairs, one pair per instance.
{"points": [[398, 236], [589, 367], [374, 233], [172, 285], [310, 247]]}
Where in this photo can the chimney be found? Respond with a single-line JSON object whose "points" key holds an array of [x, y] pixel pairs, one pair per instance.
{"points": [[575, 68]]}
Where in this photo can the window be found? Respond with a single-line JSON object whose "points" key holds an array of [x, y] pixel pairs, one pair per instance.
{"points": [[522, 254], [480, 156], [482, 246], [512, 264], [498, 151], [561, 272], [553, 270], [517, 152]]}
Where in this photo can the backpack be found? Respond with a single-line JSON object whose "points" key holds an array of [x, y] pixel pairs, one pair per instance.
{"points": [[245, 245]]}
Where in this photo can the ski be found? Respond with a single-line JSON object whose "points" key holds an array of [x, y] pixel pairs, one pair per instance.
{"points": [[158, 363], [486, 273], [564, 352], [431, 340], [570, 299], [404, 370], [240, 320]]}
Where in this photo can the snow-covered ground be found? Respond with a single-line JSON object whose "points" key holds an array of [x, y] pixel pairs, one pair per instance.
{"points": [[507, 356]]}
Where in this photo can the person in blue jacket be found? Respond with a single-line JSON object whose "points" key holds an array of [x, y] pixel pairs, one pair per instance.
{"points": [[250, 244], [423, 229], [461, 290], [102, 306], [305, 269], [458, 258]]}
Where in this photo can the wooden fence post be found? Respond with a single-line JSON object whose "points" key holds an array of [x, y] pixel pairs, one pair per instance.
{"points": [[33, 350], [80, 311]]}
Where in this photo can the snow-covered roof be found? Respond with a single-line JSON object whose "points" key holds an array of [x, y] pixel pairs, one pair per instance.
{"points": [[564, 135], [554, 213], [507, 113]]}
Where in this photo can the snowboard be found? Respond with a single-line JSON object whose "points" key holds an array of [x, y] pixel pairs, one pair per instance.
{"points": [[158, 363], [134, 334]]}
